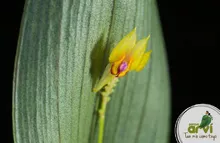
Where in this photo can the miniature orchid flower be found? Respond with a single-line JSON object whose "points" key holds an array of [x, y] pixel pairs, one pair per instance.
{"points": [[128, 55]]}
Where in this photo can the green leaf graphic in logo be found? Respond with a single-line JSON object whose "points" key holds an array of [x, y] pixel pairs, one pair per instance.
{"points": [[206, 120]]}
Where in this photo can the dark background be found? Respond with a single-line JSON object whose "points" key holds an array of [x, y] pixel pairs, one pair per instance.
{"points": [[190, 32]]}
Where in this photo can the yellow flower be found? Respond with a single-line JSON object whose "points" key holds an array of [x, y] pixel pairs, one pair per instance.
{"points": [[128, 55]]}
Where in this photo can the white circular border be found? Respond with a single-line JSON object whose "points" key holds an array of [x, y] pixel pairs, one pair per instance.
{"points": [[177, 136]]}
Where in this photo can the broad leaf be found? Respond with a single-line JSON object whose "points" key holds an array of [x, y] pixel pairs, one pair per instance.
{"points": [[62, 50]]}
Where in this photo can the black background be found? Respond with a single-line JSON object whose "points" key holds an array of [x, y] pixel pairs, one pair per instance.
{"points": [[190, 32]]}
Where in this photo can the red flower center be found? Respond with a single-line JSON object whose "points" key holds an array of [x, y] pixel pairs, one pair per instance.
{"points": [[123, 66]]}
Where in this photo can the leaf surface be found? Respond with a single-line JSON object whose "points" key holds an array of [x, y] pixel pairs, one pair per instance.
{"points": [[62, 50]]}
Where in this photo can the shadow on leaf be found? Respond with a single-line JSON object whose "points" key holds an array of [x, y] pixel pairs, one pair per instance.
{"points": [[97, 58], [97, 66]]}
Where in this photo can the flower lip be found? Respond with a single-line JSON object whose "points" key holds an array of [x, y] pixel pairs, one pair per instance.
{"points": [[123, 66]]}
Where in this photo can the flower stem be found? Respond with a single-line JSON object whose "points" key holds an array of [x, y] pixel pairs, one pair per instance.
{"points": [[102, 117], [104, 100]]}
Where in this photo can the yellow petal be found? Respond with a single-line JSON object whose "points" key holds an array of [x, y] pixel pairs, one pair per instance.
{"points": [[123, 47], [137, 52], [123, 73], [144, 61], [115, 65]]}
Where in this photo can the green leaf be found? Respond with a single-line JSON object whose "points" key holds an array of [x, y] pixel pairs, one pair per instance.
{"points": [[63, 47]]}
